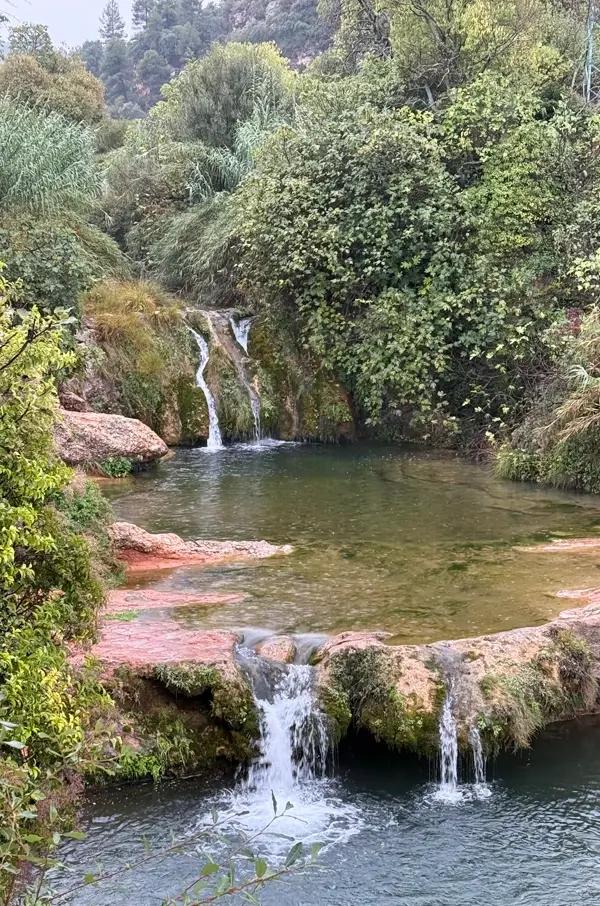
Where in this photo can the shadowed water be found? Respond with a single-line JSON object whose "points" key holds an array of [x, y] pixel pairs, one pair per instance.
{"points": [[534, 842], [419, 545]]}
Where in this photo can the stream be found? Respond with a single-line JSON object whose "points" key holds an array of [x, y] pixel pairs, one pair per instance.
{"points": [[534, 842], [417, 544]]}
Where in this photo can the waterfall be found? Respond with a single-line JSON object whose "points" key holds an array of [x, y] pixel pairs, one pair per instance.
{"points": [[214, 432], [478, 759], [255, 406], [448, 747], [294, 740], [448, 789], [241, 331]]}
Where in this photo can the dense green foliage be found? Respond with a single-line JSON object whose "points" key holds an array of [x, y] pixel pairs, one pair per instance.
{"points": [[50, 586], [34, 72], [50, 186]]}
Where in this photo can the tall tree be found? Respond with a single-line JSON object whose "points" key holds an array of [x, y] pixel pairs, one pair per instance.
{"points": [[141, 11], [112, 24], [92, 54], [117, 71]]}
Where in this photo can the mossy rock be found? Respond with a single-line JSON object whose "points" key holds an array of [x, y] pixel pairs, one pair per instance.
{"points": [[231, 397], [361, 689], [232, 700], [300, 399], [556, 684], [177, 720]]}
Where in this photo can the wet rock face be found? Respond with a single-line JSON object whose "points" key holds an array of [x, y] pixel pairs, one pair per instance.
{"points": [[91, 437], [508, 685], [141, 550]]}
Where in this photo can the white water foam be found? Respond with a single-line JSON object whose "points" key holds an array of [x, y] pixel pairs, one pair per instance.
{"points": [[241, 331], [291, 768]]}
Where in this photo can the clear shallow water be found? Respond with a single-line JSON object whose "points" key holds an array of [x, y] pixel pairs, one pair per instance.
{"points": [[416, 544], [534, 842]]}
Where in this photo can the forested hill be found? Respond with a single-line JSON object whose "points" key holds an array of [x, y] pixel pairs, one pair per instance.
{"points": [[167, 34]]}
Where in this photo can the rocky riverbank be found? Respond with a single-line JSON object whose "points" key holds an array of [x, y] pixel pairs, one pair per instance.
{"points": [[189, 683], [143, 551]]}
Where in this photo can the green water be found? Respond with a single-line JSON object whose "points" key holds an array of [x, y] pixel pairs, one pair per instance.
{"points": [[420, 545]]}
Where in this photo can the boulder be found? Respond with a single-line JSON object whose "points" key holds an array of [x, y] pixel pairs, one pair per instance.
{"points": [[507, 686], [92, 437], [141, 550], [280, 648]]}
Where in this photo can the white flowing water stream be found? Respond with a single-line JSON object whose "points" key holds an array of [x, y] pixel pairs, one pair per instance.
{"points": [[294, 739], [241, 331], [214, 442]]}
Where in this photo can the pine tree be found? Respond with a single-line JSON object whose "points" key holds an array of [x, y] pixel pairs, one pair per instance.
{"points": [[117, 71], [141, 11], [112, 24]]}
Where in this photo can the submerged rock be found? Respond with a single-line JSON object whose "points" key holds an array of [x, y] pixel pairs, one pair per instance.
{"points": [[127, 599], [280, 648], [141, 550], [88, 438]]}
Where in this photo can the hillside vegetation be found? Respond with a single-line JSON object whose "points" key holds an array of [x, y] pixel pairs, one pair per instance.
{"points": [[406, 199]]}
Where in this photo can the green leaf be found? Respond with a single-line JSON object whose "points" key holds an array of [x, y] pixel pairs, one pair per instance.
{"points": [[210, 868], [260, 868], [293, 855]]}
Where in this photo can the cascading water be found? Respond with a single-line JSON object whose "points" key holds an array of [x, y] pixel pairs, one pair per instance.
{"points": [[291, 766], [478, 759], [294, 739], [255, 406], [215, 441], [449, 789], [241, 331], [448, 748]]}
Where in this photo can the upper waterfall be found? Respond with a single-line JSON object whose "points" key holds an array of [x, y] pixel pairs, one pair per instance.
{"points": [[215, 441], [241, 331]]}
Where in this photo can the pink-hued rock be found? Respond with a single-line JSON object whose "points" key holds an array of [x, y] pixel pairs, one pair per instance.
{"points": [[147, 643], [281, 648], [93, 437], [141, 550], [150, 599]]}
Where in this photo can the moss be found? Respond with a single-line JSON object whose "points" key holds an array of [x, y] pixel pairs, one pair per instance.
{"points": [[300, 399], [233, 406], [193, 411], [336, 706], [126, 616], [156, 731], [360, 691], [232, 701], [555, 685]]}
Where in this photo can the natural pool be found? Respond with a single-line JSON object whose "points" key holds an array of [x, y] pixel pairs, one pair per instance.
{"points": [[534, 842], [418, 544]]}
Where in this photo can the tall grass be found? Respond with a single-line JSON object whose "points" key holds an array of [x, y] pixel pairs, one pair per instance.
{"points": [[46, 162]]}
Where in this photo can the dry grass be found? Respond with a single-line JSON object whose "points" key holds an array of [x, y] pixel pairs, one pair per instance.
{"points": [[123, 311]]}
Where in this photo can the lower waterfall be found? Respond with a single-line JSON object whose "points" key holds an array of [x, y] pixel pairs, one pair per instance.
{"points": [[294, 739]]}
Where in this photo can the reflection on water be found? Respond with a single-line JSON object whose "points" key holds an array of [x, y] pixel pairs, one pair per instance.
{"points": [[534, 842], [417, 544]]}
